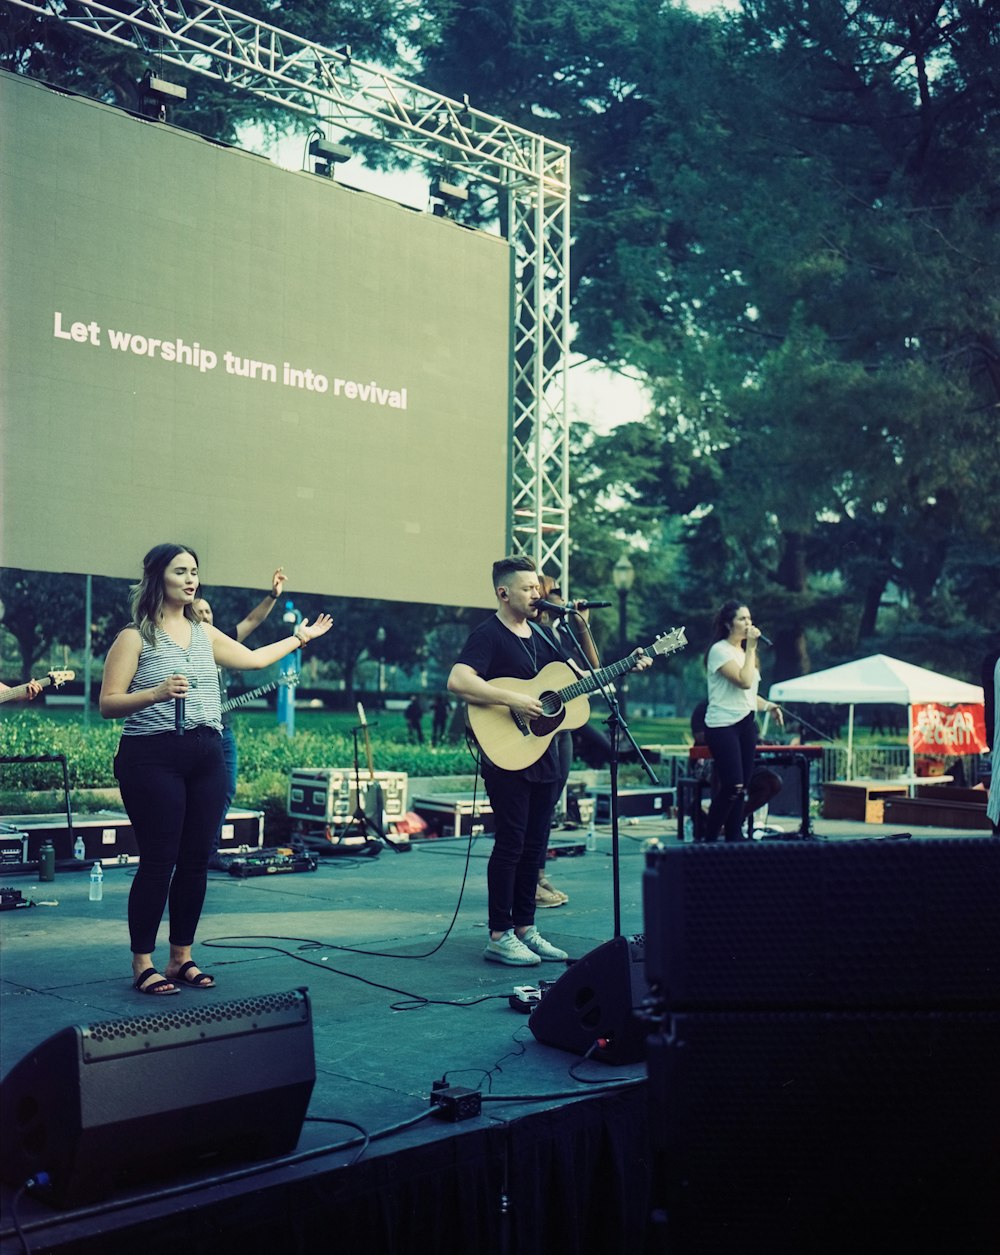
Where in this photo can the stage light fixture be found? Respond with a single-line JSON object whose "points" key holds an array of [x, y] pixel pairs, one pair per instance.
{"points": [[440, 190], [327, 150], [328, 154], [156, 93]]}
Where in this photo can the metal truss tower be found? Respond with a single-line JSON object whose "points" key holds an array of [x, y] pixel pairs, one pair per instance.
{"points": [[530, 173]]}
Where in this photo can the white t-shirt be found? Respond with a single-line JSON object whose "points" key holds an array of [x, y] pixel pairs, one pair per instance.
{"points": [[727, 702]]}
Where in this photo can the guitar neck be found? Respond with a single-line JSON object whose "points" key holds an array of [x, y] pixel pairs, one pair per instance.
{"points": [[15, 694], [588, 683], [244, 699]]}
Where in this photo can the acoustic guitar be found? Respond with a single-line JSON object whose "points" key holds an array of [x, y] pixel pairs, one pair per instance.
{"points": [[512, 741], [56, 678]]}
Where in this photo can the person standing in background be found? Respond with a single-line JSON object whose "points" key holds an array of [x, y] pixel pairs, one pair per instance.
{"points": [[203, 613], [546, 894], [733, 671]]}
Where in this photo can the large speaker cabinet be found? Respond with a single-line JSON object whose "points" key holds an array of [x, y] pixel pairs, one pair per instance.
{"points": [[126, 1101], [823, 1065]]}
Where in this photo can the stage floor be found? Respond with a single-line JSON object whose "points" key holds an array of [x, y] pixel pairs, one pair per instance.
{"points": [[390, 949]]}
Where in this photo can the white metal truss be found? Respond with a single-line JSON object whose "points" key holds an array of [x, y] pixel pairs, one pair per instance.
{"points": [[531, 175]]}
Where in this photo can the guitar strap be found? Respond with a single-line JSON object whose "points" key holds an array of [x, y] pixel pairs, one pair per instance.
{"points": [[551, 638]]}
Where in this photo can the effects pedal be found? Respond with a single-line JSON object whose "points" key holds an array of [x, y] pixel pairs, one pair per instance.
{"points": [[524, 998]]}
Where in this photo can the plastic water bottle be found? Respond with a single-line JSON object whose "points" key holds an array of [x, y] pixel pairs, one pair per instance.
{"points": [[79, 849], [96, 883], [591, 842]]}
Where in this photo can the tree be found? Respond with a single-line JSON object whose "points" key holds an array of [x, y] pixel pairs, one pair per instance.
{"points": [[39, 610]]}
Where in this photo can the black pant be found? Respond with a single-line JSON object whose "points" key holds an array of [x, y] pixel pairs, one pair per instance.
{"points": [[732, 753], [522, 816], [173, 789], [562, 744]]}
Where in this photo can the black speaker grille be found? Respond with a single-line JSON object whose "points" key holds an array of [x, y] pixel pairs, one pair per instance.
{"points": [[111, 1039], [854, 923]]}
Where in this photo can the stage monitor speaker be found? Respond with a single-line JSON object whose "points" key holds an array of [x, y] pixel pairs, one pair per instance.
{"points": [[790, 800], [855, 923], [126, 1101], [594, 1000]]}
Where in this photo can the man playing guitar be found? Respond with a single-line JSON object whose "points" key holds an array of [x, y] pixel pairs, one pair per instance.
{"points": [[507, 645]]}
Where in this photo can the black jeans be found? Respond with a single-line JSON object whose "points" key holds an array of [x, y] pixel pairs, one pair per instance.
{"points": [[522, 816], [563, 746], [732, 753], [173, 788]]}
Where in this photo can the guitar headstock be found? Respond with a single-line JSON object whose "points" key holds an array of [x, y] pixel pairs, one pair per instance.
{"points": [[669, 642], [59, 678]]}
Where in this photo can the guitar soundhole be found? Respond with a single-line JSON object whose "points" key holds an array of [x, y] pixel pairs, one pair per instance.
{"points": [[555, 713], [551, 703]]}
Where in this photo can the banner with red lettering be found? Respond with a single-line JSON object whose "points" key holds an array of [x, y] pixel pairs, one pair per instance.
{"points": [[946, 730]]}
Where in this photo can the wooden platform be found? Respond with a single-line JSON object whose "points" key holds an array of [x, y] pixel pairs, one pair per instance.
{"points": [[940, 806]]}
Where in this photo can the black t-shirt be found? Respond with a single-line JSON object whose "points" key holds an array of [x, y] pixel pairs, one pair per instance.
{"points": [[494, 652]]}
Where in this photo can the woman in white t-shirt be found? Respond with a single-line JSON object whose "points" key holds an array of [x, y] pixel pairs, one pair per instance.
{"points": [[733, 669]]}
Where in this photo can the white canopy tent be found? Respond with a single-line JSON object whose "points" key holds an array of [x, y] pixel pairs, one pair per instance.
{"points": [[876, 679]]}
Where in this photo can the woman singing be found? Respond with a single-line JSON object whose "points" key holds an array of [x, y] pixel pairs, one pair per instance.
{"points": [[730, 720], [160, 676]]}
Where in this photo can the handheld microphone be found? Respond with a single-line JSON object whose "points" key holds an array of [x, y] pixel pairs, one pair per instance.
{"points": [[766, 639], [592, 605]]}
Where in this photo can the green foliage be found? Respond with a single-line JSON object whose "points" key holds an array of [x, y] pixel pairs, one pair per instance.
{"points": [[89, 752], [267, 754]]}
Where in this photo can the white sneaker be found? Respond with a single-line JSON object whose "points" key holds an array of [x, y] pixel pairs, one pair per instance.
{"points": [[508, 949], [533, 941]]}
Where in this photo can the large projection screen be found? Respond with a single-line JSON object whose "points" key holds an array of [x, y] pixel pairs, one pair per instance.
{"points": [[198, 346]]}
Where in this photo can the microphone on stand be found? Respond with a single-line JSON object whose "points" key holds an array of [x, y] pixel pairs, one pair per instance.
{"points": [[552, 608]]}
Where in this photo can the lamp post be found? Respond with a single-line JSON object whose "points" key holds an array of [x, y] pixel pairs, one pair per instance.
{"points": [[380, 639], [289, 666], [623, 577]]}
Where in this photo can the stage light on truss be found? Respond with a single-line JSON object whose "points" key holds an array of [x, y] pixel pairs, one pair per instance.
{"points": [[157, 92], [446, 195], [440, 190], [329, 154]]}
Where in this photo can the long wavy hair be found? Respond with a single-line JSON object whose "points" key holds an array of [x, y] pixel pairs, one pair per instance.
{"points": [[146, 597], [722, 625]]}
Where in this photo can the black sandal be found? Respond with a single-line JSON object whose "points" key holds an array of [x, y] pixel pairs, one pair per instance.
{"points": [[161, 988], [201, 981]]}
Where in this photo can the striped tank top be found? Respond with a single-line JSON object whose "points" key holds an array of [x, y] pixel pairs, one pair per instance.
{"points": [[201, 706]]}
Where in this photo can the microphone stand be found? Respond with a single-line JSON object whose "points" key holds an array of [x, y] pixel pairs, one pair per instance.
{"points": [[616, 726]]}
